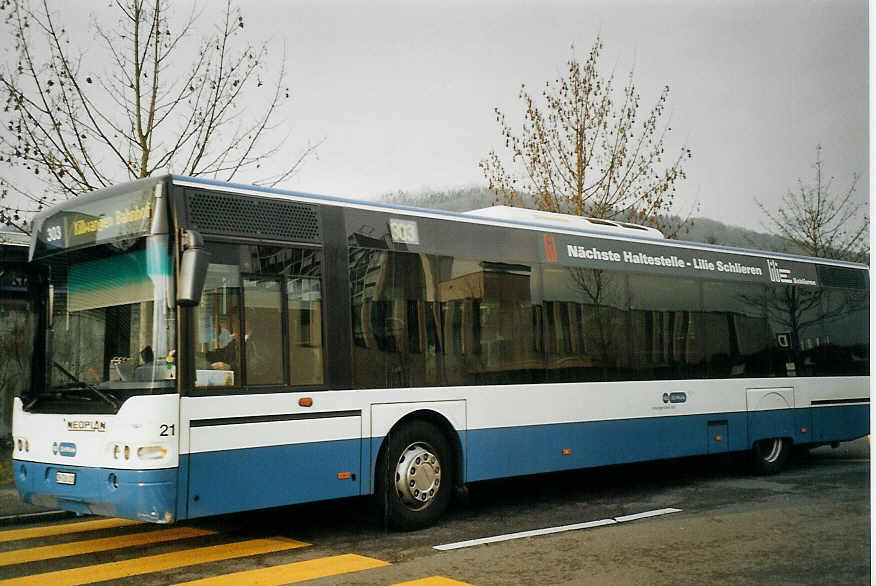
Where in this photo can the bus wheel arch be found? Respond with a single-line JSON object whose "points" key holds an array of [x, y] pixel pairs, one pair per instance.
{"points": [[421, 451], [770, 455]]}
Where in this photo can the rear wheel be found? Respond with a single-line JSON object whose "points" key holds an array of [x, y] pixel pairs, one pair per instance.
{"points": [[770, 455], [415, 476]]}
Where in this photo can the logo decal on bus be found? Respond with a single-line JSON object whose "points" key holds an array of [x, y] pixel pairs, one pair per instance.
{"points": [[783, 275], [778, 275], [674, 397], [67, 449], [87, 425]]}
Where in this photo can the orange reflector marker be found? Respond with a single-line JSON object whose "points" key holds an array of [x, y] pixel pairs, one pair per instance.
{"points": [[305, 402], [802, 430], [344, 475], [567, 452], [718, 438]]}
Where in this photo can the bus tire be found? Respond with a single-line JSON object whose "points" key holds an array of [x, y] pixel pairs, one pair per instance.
{"points": [[770, 455], [414, 476]]}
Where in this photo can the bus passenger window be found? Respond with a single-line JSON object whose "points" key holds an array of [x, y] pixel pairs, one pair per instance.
{"points": [[217, 331], [263, 331], [305, 330]]}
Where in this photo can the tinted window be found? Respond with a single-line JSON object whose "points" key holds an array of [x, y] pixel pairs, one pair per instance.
{"points": [[394, 320], [837, 343], [425, 320], [492, 314], [744, 325], [585, 324], [665, 338], [421, 320]]}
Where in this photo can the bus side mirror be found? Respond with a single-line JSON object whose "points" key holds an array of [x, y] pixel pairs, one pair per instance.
{"points": [[192, 269]]}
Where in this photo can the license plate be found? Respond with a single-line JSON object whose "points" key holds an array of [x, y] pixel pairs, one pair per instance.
{"points": [[65, 477]]}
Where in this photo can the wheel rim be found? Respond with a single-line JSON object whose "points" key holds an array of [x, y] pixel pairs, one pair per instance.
{"points": [[418, 476], [772, 451]]}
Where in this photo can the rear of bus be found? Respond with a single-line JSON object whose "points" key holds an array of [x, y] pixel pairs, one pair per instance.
{"points": [[96, 430]]}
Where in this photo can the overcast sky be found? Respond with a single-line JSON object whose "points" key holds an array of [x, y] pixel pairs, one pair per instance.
{"points": [[403, 92]]}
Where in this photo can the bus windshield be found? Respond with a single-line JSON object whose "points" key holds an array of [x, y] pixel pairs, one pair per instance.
{"points": [[111, 331]]}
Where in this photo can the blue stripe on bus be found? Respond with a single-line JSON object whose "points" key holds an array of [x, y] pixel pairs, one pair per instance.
{"points": [[147, 495], [515, 451], [254, 478], [840, 423], [219, 482]]}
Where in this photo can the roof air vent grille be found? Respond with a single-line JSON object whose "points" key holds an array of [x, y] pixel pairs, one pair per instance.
{"points": [[236, 215]]}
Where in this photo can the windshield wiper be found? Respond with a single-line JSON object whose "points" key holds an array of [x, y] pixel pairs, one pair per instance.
{"points": [[93, 388]]}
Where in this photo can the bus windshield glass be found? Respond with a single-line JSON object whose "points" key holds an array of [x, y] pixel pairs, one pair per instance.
{"points": [[112, 325]]}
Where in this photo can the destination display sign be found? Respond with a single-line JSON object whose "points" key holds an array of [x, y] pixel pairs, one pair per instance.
{"points": [[96, 221], [600, 253]]}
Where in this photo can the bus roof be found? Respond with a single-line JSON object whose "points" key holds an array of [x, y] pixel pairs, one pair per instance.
{"points": [[477, 216]]}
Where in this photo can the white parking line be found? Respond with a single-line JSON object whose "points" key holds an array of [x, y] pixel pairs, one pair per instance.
{"points": [[550, 530], [646, 514]]}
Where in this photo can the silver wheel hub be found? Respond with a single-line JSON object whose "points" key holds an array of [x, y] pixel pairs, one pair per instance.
{"points": [[418, 476], [775, 450]]}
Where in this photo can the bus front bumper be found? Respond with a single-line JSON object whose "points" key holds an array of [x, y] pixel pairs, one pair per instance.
{"points": [[144, 495]]}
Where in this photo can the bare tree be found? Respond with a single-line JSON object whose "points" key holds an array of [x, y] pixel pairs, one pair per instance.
{"points": [[822, 223], [165, 101], [581, 151]]}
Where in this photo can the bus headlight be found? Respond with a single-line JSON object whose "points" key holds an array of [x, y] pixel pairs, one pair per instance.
{"points": [[151, 452]]}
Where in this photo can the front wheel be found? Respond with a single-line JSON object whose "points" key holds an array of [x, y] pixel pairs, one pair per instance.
{"points": [[770, 455], [415, 476]]}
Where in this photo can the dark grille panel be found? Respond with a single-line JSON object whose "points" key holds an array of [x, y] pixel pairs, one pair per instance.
{"points": [[842, 277], [219, 213]]}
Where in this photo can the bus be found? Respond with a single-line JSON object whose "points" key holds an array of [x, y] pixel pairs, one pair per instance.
{"points": [[207, 348]]}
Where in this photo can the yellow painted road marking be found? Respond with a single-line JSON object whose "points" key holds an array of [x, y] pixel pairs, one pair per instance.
{"points": [[295, 572], [33, 554], [63, 529], [433, 581], [157, 563]]}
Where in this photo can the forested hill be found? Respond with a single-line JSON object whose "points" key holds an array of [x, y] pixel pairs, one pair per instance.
{"points": [[702, 229]]}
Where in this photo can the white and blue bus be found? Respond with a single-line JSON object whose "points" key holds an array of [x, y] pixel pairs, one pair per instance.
{"points": [[206, 348]]}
